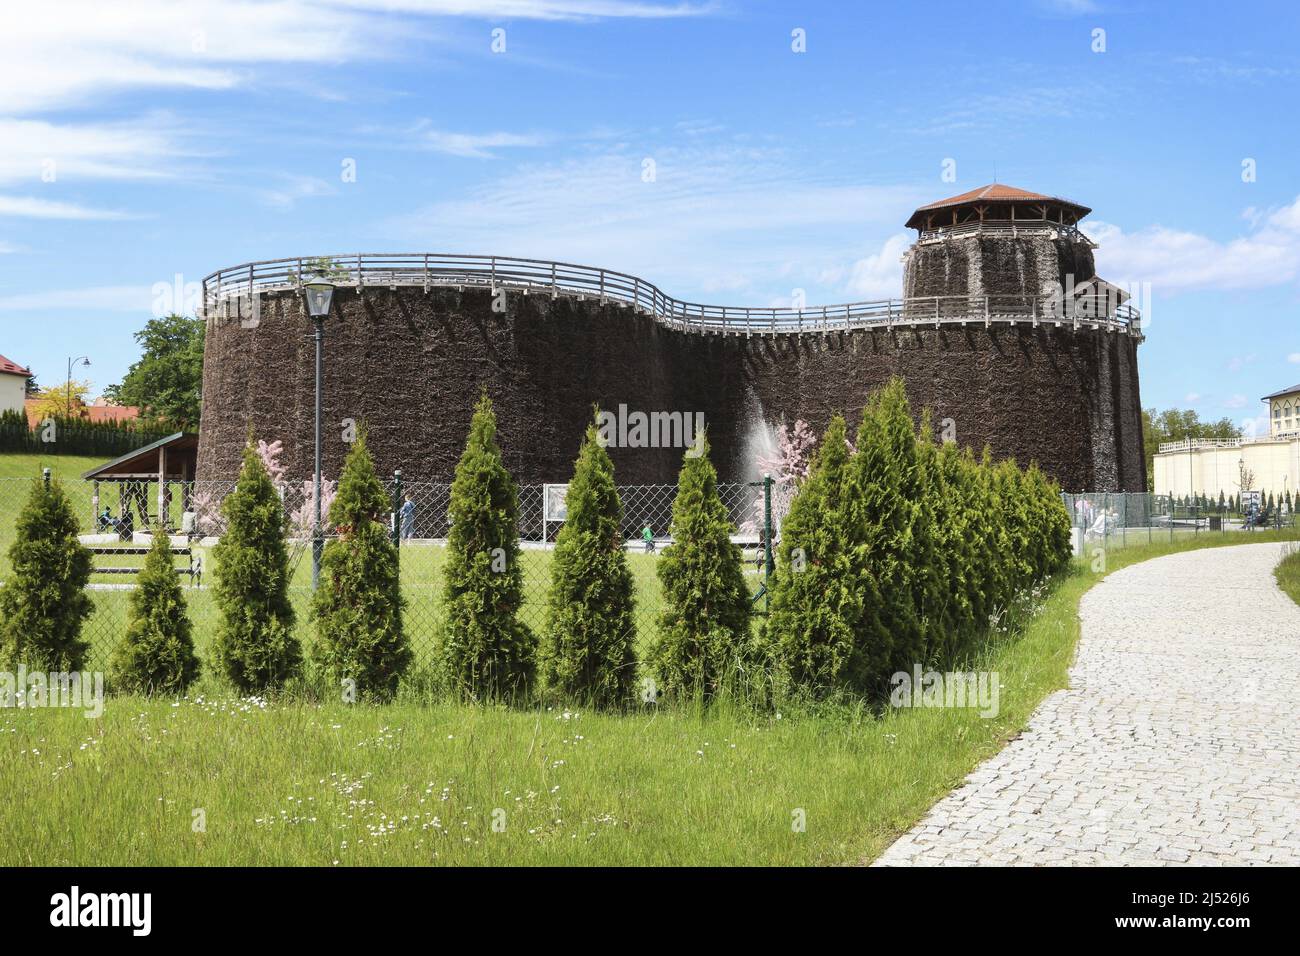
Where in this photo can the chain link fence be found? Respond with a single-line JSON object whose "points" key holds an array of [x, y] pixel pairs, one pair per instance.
{"points": [[117, 517], [1117, 519]]}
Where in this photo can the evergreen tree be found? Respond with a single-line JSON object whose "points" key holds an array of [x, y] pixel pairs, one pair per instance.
{"points": [[818, 595], [358, 608], [587, 652], [157, 655], [885, 498], [485, 651], [255, 646], [704, 628], [44, 603]]}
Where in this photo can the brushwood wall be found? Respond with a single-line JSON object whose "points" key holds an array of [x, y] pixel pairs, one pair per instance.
{"points": [[410, 365]]}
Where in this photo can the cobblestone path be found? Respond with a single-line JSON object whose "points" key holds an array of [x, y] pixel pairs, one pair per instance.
{"points": [[1177, 741]]}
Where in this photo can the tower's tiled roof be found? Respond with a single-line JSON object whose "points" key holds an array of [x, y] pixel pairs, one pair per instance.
{"points": [[994, 193]]}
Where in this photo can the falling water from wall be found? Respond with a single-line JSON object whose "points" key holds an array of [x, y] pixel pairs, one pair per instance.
{"points": [[758, 438]]}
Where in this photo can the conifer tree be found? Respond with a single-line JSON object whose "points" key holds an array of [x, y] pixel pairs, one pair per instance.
{"points": [[587, 651], [484, 650], [818, 595], [255, 646], [358, 608], [44, 603], [704, 628], [884, 473], [157, 655]]}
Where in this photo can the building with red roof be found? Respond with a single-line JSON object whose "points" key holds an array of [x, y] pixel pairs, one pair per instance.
{"points": [[13, 385]]}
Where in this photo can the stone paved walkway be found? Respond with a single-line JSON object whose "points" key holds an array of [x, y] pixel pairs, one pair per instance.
{"points": [[1178, 741]]}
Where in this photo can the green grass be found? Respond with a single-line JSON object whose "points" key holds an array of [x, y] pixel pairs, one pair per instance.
{"points": [[409, 783], [1288, 575]]}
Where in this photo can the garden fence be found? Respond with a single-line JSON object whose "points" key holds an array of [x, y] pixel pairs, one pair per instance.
{"points": [[1116, 519], [115, 518]]}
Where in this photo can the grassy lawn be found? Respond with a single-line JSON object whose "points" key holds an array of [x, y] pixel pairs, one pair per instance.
{"points": [[1288, 575], [422, 783]]}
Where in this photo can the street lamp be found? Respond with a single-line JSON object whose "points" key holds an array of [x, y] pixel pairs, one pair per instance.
{"points": [[84, 360], [319, 297]]}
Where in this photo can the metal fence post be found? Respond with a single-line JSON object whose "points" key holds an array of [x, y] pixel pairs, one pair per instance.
{"points": [[768, 565], [397, 511], [45, 475]]}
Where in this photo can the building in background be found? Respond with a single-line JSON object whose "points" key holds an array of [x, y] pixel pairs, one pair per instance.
{"points": [[13, 385], [1270, 463]]}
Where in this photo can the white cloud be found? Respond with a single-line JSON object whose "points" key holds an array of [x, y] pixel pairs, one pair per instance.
{"points": [[741, 221], [134, 150], [1236, 401], [472, 145], [1238, 362], [59, 54], [294, 188], [1173, 260], [51, 209], [1294, 358], [880, 276], [1191, 398]]}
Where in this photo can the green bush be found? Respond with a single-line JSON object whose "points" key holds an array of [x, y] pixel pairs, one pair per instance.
{"points": [[484, 650], [818, 595], [44, 603], [255, 646], [883, 506], [157, 654], [913, 551], [703, 631], [358, 608], [587, 648]]}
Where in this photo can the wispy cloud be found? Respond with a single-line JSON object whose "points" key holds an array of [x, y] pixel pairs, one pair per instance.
{"points": [[51, 209], [139, 149], [697, 220], [1174, 260], [471, 145]]}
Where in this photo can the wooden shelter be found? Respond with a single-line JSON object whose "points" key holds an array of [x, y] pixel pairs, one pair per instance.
{"points": [[170, 459]]}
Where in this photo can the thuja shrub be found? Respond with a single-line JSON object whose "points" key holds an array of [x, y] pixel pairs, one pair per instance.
{"points": [[587, 648], [484, 650], [360, 644], [906, 558], [818, 595], [157, 654], [44, 604], [703, 632], [883, 504], [255, 646]]}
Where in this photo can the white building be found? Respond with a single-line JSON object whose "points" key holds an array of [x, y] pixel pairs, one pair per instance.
{"points": [[13, 385], [1210, 466]]}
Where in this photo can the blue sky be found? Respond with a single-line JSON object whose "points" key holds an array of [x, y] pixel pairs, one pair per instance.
{"points": [[149, 140]]}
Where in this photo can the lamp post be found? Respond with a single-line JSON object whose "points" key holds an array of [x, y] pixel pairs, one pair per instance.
{"points": [[84, 360], [319, 296]]}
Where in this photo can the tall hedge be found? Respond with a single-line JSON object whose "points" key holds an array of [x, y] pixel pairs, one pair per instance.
{"points": [[912, 550], [587, 648], [484, 650], [358, 608], [819, 594], [883, 506], [157, 654], [44, 604], [255, 646], [703, 634]]}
